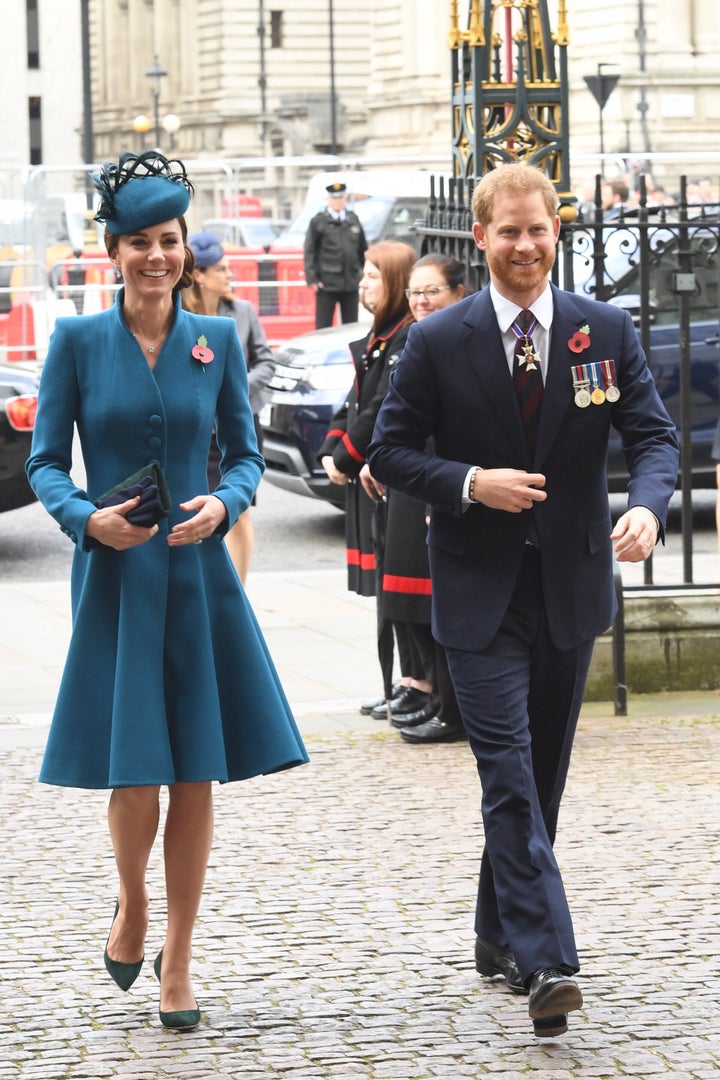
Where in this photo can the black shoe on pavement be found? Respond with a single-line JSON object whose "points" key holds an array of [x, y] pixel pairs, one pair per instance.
{"points": [[420, 716], [553, 994], [493, 960], [550, 1027], [433, 730], [367, 707], [409, 701]]}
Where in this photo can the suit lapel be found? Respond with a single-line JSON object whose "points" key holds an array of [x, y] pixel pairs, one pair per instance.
{"points": [[567, 318]]}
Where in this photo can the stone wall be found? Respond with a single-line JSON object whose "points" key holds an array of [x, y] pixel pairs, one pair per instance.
{"points": [[672, 642]]}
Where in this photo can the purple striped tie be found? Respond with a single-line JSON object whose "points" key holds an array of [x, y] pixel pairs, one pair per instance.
{"points": [[527, 377]]}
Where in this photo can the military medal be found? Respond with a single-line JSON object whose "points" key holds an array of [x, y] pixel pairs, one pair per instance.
{"points": [[598, 394], [581, 383], [611, 391], [529, 357]]}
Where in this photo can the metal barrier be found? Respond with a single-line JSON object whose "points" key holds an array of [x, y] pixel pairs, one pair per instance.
{"points": [[27, 310], [274, 283]]}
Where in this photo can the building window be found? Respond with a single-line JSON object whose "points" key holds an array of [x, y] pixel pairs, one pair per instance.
{"points": [[276, 29], [33, 34], [35, 130]]}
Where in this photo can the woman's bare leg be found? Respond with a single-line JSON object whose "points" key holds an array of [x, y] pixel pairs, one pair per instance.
{"points": [[133, 815], [188, 839], [240, 541]]}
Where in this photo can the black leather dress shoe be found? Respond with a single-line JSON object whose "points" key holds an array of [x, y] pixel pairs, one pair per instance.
{"points": [[433, 730], [420, 716], [553, 994], [408, 703], [493, 960], [367, 707], [405, 701], [552, 1026]]}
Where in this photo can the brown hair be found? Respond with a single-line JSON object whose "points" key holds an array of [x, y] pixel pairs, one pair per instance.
{"points": [[186, 278], [512, 178], [394, 260], [451, 269]]}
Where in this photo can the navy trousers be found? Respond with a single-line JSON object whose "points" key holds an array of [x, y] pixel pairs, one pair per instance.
{"points": [[325, 302], [520, 699]]}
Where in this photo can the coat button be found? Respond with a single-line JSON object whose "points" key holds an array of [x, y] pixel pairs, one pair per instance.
{"points": [[155, 421], [154, 442]]}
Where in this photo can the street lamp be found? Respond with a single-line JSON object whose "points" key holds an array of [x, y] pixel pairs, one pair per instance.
{"points": [[141, 125], [156, 73], [171, 124]]}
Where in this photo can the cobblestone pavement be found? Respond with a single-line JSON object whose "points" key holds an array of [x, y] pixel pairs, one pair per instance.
{"points": [[335, 938]]}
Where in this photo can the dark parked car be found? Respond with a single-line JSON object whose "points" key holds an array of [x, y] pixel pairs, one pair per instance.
{"points": [[18, 403], [314, 373]]}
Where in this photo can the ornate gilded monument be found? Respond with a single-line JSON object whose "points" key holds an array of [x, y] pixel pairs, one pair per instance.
{"points": [[510, 89]]}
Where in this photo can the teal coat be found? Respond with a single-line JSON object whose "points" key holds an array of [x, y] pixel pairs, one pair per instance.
{"points": [[168, 677]]}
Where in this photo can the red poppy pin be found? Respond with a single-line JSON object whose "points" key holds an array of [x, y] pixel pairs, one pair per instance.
{"points": [[580, 339], [201, 352]]}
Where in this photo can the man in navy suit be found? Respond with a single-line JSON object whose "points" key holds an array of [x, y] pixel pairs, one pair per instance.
{"points": [[521, 544]]}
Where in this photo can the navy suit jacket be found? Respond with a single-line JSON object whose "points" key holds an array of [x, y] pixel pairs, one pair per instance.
{"points": [[453, 384]]}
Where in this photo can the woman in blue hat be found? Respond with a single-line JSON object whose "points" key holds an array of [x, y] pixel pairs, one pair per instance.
{"points": [[168, 679], [211, 293]]}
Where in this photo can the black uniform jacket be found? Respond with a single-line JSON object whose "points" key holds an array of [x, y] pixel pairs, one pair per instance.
{"points": [[335, 251]]}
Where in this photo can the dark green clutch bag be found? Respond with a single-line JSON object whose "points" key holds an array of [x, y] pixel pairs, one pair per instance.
{"points": [[150, 484]]}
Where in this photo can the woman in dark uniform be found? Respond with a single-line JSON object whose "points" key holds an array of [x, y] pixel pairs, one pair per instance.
{"points": [[342, 454], [427, 710]]}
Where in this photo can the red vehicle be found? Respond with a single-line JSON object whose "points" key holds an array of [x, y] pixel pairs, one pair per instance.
{"points": [[18, 404]]}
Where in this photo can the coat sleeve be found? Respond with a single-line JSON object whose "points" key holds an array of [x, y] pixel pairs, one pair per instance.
{"points": [[310, 252], [335, 433], [649, 437], [258, 355], [48, 467], [350, 453], [350, 449], [241, 464], [401, 453], [362, 241]]}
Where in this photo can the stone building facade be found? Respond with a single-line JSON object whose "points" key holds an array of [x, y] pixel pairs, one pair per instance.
{"points": [[239, 93]]}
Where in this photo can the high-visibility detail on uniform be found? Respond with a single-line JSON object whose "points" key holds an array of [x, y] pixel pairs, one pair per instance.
{"points": [[351, 449], [359, 558], [398, 584]]}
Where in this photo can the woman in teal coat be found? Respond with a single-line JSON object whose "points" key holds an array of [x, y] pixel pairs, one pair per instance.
{"points": [[168, 679]]}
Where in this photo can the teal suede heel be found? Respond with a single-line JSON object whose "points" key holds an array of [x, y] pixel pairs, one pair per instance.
{"points": [[182, 1019], [123, 974]]}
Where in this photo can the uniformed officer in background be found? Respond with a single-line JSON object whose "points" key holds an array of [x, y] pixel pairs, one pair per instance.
{"points": [[335, 248]]}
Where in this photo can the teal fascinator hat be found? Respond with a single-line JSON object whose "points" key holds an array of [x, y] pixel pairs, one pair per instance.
{"points": [[141, 190]]}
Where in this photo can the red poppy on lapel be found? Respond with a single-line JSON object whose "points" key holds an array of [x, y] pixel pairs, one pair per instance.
{"points": [[201, 352], [580, 339]]}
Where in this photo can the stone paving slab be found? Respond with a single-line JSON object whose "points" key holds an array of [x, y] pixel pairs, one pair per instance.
{"points": [[335, 938]]}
